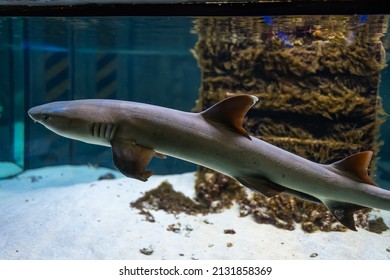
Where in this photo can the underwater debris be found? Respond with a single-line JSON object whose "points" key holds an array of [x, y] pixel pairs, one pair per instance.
{"points": [[177, 228], [147, 251], [148, 216], [174, 227], [377, 225], [283, 211], [107, 176], [318, 99], [229, 231], [164, 197], [35, 178], [215, 191]]}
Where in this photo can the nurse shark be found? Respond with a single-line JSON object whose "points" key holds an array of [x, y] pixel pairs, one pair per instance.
{"points": [[215, 139]]}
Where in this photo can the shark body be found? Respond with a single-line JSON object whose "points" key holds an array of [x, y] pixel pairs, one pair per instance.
{"points": [[215, 139]]}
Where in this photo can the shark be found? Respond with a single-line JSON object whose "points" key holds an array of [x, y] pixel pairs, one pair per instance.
{"points": [[214, 138]]}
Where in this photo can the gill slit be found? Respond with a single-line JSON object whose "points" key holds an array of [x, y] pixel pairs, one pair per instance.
{"points": [[103, 130]]}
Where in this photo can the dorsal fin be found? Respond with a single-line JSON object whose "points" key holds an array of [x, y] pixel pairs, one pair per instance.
{"points": [[231, 112], [355, 167]]}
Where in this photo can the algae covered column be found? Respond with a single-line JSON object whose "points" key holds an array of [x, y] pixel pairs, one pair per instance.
{"points": [[317, 81]]}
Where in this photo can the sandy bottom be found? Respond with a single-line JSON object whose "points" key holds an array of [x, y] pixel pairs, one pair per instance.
{"points": [[66, 213]]}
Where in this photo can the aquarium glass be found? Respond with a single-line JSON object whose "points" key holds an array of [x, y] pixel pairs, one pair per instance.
{"points": [[12, 106], [322, 89], [49, 59]]}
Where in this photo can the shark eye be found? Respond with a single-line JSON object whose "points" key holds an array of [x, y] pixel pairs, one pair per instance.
{"points": [[45, 117]]}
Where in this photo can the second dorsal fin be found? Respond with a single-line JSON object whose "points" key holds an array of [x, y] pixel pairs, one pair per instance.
{"points": [[355, 167], [231, 112]]}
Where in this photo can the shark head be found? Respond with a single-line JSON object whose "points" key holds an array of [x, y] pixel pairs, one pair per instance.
{"points": [[74, 120]]}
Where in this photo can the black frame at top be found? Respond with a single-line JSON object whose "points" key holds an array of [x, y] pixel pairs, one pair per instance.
{"points": [[204, 9]]}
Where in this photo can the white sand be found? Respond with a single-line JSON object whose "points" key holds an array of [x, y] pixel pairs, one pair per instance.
{"points": [[45, 215]]}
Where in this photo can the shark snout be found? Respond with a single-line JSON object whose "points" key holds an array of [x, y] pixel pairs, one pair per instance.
{"points": [[35, 114], [43, 112]]}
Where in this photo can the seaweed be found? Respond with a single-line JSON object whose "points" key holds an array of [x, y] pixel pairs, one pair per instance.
{"points": [[377, 225], [217, 192], [283, 211], [317, 82], [165, 198]]}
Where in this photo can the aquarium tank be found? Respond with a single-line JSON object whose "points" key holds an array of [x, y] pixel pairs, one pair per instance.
{"points": [[319, 70]]}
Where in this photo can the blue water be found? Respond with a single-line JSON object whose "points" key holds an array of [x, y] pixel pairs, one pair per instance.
{"points": [[139, 59]]}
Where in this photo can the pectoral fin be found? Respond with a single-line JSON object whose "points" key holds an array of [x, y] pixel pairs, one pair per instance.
{"points": [[261, 185], [132, 159], [343, 212]]}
